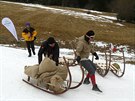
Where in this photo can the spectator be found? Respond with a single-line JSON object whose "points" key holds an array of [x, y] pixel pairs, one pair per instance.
{"points": [[29, 35]]}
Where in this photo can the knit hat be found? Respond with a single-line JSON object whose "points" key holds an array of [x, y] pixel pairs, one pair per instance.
{"points": [[27, 24], [90, 33], [50, 40]]}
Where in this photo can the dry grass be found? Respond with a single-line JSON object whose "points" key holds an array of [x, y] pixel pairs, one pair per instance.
{"points": [[62, 27], [130, 62]]}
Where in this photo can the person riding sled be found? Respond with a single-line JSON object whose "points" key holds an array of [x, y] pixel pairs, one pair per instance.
{"points": [[83, 49]]}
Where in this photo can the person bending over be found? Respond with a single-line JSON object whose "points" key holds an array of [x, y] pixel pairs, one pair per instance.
{"points": [[49, 48]]}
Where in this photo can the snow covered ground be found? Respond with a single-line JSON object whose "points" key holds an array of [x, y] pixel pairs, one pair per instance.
{"points": [[12, 88], [13, 60]]}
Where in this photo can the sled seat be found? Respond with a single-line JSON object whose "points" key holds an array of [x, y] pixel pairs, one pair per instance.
{"points": [[115, 69], [70, 61], [101, 65], [101, 69]]}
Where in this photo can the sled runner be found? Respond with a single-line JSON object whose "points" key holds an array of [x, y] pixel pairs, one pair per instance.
{"points": [[43, 89], [50, 87], [115, 68], [103, 69], [72, 63], [81, 80]]}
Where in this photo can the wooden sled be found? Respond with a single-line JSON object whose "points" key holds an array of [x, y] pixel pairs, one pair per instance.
{"points": [[66, 88], [119, 72], [104, 68]]}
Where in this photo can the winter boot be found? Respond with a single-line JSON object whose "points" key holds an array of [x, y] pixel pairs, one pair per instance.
{"points": [[95, 88], [29, 51], [29, 55], [86, 81], [34, 53]]}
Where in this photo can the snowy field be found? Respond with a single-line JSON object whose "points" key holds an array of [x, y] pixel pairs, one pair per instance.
{"points": [[13, 60], [12, 88]]}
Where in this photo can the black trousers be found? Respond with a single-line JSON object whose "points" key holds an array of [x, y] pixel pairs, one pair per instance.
{"points": [[30, 46]]}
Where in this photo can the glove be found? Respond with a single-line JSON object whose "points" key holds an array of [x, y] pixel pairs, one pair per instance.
{"points": [[95, 54], [78, 59], [35, 38]]}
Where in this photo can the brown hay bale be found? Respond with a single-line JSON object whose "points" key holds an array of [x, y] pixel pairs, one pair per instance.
{"points": [[47, 65], [31, 71]]}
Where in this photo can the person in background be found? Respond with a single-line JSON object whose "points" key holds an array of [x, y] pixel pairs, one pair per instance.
{"points": [[84, 47], [49, 48], [29, 35]]}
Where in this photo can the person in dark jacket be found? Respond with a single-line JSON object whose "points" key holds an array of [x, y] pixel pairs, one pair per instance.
{"points": [[29, 35], [84, 47], [49, 48]]}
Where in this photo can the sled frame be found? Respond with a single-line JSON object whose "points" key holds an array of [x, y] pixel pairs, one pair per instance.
{"points": [[115, 71], [48, 91], [109, 67]]}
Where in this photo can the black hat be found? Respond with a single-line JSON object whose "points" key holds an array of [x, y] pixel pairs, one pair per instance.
{"points": [[50, 40], [90, 33]]}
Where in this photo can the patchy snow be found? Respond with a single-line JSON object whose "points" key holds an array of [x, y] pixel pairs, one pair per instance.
{"points": [[12, 88], [95, 11], [104, 44], [109, 17], [75, 14], [92, 11], [119, 24]]}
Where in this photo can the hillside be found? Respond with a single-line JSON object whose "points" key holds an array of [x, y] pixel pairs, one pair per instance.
{"points": [[65, 24]]}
